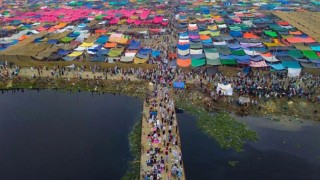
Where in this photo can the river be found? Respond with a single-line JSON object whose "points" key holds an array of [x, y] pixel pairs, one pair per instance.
{"points": [[59, 135], [289, 150]]}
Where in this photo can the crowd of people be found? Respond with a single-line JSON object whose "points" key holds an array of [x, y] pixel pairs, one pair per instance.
{"points": [[256, 84], [162, 147]]}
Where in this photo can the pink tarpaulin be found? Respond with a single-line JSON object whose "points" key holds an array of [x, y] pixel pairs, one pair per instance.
{"points": [[53, 15], [137, 22], [144, 14], [157, 19], [258, 64], [130, 21], [165, 23], [114, 21]]}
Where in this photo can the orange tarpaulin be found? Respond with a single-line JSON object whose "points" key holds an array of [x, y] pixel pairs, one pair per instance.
{"points": [[204, 37], [51, 30], [248, 35], [300, 40], [268, 54], [295, 32], [41, 29], [110, 45], [60, 25], [100, 31], [283, 23], [184, 42], [184, 62], [23, 37]]}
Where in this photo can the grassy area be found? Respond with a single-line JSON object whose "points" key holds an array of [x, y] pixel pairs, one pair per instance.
{"points": [[133, 172], [229, 133], [28, 63], [131, 88]]}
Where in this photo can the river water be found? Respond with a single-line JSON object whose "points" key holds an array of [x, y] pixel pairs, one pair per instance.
{"points": [[58, 135], [285, 150]]}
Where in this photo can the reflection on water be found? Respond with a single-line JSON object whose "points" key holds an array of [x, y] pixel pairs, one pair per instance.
{"points": [[54, 135], [280, 153]]}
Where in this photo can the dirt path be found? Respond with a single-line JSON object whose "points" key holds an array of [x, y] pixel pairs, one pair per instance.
{"points": [[149, 144]]}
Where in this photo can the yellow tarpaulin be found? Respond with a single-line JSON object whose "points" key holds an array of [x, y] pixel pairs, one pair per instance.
{"points": [[137, 60], [271, 44], [215, 33], [84, 44], [213, 27], [75, 54]]}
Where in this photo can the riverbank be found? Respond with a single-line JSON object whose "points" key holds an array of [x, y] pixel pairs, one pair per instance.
{"points": [[275, 108], [131, 88], [229, 133], [133, 172]]}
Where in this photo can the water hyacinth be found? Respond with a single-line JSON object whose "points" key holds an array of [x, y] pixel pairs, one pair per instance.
{"points": [[229, 133]]}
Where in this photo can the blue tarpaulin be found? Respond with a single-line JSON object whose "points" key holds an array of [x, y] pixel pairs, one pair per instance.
{"points": [[145, 51], [184, 57], [291, 64], [134, 44], [236, 33], [53, 41], [142, 56], [155, 53], [178, 85], [63, 52], [183, 46], [102, 52], [102, 39], [277, 67]]}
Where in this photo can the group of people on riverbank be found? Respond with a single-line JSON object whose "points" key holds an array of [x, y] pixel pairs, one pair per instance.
{"points": [[164, 158], [258, 85]]}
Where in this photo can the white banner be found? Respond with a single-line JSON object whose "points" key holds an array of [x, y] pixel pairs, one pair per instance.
{"points": [[225, 89], [294, 72]]}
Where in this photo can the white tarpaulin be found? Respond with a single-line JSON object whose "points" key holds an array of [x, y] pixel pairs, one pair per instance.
{"points": [[194, 51], [225, 89], [294, 72], [183, 52]]}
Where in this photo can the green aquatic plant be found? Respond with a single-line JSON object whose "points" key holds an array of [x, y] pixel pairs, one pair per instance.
{"points": [[133, 172], [233, 163], [229, 133]]}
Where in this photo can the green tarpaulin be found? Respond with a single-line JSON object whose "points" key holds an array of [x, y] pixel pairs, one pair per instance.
{"points": [[196, 45], [115, 52], [238, 52], [198, 62], [295, 54], [291, 64], [271, 33], [224, 50], [66, 39], [277, 28], [310, 54], [204, 32], [214, 62], [228, 61], [210, 50]]}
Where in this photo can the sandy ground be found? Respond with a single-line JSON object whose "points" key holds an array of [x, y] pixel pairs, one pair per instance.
{"points": [[27, 72]]}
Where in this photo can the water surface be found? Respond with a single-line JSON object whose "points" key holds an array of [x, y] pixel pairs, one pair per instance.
{"points": [[284, 151], [55, 135]]}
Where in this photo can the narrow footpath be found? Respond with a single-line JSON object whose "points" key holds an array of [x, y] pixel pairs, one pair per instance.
{"points": [[161, 156]]}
